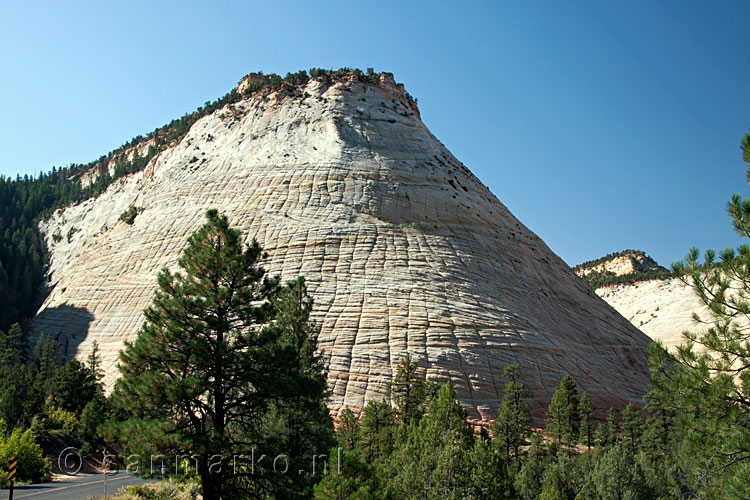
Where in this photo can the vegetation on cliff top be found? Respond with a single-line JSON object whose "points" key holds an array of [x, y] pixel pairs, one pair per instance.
{"points": [[597, 279], [610, 256]]}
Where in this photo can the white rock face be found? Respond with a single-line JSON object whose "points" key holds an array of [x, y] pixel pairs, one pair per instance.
{"points": [[662, 309], [404, 250]]}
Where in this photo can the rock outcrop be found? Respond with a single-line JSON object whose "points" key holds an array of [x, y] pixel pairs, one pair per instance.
{"points": [[404, 250], [620, 264], [662, 307]]}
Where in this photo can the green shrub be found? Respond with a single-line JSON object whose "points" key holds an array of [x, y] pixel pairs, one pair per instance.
{"points": [[170, 489], [32, 465], [141, 492], [129, 215], [55, 425]]}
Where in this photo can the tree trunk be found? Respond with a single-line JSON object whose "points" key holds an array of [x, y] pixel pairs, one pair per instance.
{"points": [[210, 482]]}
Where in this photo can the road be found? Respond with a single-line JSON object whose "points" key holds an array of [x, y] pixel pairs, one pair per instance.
{"points": [[78, 487]]}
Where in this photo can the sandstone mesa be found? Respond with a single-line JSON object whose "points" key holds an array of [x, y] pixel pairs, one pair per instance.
{"points": [[403, 248]]}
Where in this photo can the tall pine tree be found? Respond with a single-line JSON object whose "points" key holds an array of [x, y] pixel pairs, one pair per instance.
{"points": [[512, 424], [209, 373], [562, 413]]}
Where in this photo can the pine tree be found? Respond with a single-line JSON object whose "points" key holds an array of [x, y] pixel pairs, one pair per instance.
{"points": [[562, 413], [377, 428], [585, 413], [12, 345], [95, 362], [297, 422], [656, 439], [631, 425], [348, 432], [611, 427], [706, 382], [74, 387], [349, 476], [618, 476], [407, 391], [211, 376], [601, 434], [512, 424], [47, 357], [528, 481], [433, 461]]}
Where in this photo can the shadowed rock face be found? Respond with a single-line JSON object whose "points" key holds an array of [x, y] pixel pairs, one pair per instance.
{"points": [[404, 250]]}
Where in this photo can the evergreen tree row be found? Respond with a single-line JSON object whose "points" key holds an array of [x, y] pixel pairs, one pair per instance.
{"points": [[417, 444]]}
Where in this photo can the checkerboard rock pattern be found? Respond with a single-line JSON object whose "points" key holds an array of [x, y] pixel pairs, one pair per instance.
{"points": [[404, 250]]}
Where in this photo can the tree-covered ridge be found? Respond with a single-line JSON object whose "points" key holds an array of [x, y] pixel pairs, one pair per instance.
{"points": [[25, 200], [610, 256], [597, 278]]}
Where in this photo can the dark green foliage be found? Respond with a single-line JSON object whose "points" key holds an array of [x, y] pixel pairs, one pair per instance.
{"points": [[597, 279], [562, 414], [563, 478], [349, 476], [47, 357], [23, 252], [658, 428], [93, 417], [438, 455], [211, 373], [585, 414], [297, 422], [528, 481], [348, 432], [512, 424], [12, 346], [631, 425], [129, 215], [408, 392], [434, 455], [27, 390], [75, 387], [617, 475], [434, 461], [611, 434], [377, 426]]}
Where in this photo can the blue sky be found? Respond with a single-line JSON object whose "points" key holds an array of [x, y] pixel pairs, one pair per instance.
{"points": [[601, 127]]}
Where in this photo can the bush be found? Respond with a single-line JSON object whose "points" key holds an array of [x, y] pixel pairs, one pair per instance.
{"points": [[94, 414], [163, 490], [54, 425], [141, 492], [129, 215], [32, 465]]}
